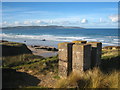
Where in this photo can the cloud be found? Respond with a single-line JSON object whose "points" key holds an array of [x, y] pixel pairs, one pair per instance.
{"points": [[101, 20], [4, 22], [114, 18], [84, 21], [37, 21], [27, 22], [16, 23]]}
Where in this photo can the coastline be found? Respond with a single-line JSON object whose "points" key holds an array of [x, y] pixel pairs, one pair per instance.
{"points": [[45, 52], [49, 48], [32, 42], [51, 43]]}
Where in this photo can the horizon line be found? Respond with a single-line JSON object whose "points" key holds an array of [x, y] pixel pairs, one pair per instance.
{"points": [[57, 26]]}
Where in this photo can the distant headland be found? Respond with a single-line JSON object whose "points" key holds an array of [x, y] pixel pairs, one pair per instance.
{"points": [[48, 26]]}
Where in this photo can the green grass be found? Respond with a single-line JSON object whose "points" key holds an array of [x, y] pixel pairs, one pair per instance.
{"points": [[34, 65], [11, 61], [11, 43], [108, 54], [31, 62], [56, 77]]}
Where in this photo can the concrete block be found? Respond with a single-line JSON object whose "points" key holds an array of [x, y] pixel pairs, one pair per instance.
{"points": [[65, 58], [81, 57], [96, 53]]}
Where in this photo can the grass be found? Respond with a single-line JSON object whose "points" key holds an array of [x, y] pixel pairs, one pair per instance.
{"points": [[14, 49], [108, 54], [90, 79], [56, 77], [11, 43], [35, 64], [11, 61]]}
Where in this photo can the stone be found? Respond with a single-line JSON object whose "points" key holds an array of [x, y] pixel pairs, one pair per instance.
{"points": [[43, 39], [65, 58], [96, 53], [81, 57]]}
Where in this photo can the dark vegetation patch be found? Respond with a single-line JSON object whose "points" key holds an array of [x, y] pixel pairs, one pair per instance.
{"points": [[110, 61], [13, 48]]}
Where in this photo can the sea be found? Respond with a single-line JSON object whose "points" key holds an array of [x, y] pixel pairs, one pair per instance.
{"points": [[53, 36]]}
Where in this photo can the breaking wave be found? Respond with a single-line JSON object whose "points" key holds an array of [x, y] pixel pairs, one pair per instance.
{"points": [[104, 40], [40, 37]]}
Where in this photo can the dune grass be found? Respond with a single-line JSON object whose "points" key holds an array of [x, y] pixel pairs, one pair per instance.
{"points": [[29, 62], [107, 54], [11, 61], [11, 43], [89, 79]]}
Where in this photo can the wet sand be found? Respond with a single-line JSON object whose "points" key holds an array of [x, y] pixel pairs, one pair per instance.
{"points": [[42, 52]]}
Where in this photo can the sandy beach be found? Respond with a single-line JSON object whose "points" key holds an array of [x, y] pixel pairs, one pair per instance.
{"points": [[42, 52]]}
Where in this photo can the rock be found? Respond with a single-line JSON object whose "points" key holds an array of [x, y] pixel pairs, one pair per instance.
{"points": [[36, 46], [49, 49], [43, 39], [46, 48], [3, 41]]}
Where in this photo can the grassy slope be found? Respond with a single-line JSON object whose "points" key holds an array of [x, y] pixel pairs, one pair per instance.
{"points": [[25, 75], [104, 77], [12, 64]]}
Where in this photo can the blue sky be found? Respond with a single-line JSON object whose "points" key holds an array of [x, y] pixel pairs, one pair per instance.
{"points": [[82, 14]]}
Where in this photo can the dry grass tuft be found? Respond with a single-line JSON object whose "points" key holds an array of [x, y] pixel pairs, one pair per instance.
{"points": [[90, 79]]}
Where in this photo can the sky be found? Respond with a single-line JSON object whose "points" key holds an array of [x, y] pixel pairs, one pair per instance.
{"points": [[81, 14]]}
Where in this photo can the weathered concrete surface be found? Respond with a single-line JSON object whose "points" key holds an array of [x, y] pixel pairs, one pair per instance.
{"points": [[83, 42], [65, 58], [78, 56], [96, 53], [81, 57]]}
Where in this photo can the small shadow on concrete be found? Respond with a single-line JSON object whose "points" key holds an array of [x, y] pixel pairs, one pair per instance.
{"points": [[14, 79]]}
